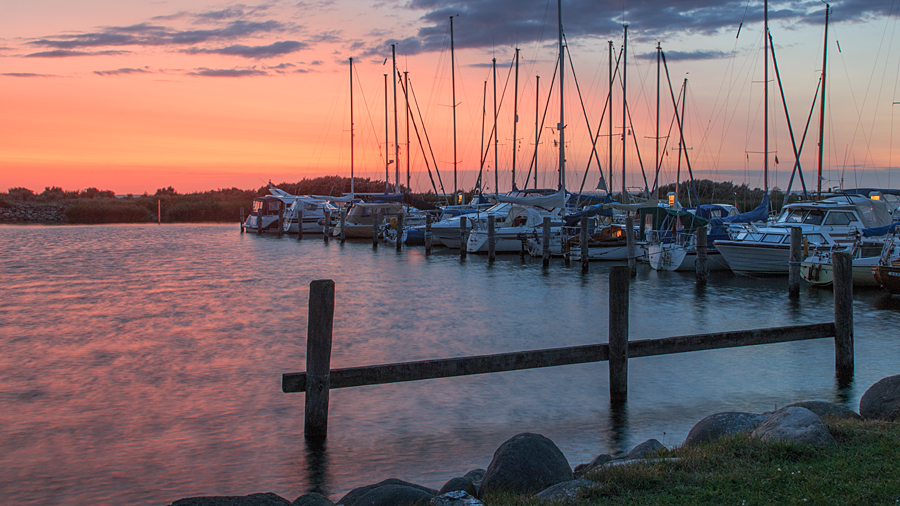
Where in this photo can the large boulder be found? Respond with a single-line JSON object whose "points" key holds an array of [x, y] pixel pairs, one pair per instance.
{"points": [[455, 498], [312, 499], [526, 464], [566, 491], [389, 492], [794, 425], [644, 450], [882, 400], [823, 409], [267, 499], [724, 424]]}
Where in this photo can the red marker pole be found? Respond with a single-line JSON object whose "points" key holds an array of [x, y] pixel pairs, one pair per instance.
{"points": [[158, 212]]}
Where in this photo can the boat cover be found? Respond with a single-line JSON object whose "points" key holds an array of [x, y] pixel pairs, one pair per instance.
{"points": [[879, 231], [760, 213], [555, 200]]}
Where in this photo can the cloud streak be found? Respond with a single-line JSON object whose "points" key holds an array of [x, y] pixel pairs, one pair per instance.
{"points": [[121, 71], [258, 52], [65, 53], [205, 72]]}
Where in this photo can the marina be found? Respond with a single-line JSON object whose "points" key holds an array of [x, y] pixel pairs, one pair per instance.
{"points": [[143, 363]]}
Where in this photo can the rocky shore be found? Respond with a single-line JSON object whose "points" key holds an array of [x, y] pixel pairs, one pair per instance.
{"points": [[532, 465], [49, 214]]}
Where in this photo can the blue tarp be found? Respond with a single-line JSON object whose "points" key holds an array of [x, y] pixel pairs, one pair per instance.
{"points": [[760, 213], [595, 210], [879, 231]]}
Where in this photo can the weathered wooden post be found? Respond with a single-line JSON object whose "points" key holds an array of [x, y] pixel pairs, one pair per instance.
{"points": [[428, 237], [545, 242], [629, 243], [299, 222], [343, 224], [842, 266], [619, 279], [492, 253], [462, 237], [399, 231], [259, 217], [374, 231], [242, 220], [280, 219], [794, 265], [585, 255], [318, 357], [326, 226], [701, 267]]}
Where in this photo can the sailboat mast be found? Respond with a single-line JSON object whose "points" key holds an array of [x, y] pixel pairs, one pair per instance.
{"points": [[396, 134], [351, 129], [515, 120], [496, 137], [453, 86], [537, 131], [562, 102], [624, 107], [766, 98], [658, 52], [610, 122], [387, 156], [822, 99], [406, 94]]}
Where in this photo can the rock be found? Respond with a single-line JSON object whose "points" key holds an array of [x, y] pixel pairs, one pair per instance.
{"points": [[268, 499], [644, 450], [823, 409], [719, 425], [456, 498], [794, 425], [312, 499], [882, 400], [599, 460], [389, 492], [526, 464], [565, 491], [459, 484], [475, 475]]}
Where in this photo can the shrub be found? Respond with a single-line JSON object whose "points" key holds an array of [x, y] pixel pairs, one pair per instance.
{"points": [[106, 211]]}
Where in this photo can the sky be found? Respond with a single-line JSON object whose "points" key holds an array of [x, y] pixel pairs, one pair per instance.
{"points": [[133, 96]]}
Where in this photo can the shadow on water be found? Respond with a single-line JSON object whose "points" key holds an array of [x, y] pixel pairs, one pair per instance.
{"points": [[618, 426], [317, 465]]}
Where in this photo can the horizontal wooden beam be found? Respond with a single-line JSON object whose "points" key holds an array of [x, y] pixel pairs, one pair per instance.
{"points": [[464, 366]]}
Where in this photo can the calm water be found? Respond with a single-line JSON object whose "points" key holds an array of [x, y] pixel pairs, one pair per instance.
{"points": [[142, 364]]}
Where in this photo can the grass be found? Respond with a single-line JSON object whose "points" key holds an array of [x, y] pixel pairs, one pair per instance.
{"points": [[863, 468]]}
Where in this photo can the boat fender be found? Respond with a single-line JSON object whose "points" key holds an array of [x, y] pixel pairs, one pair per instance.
{"points": [[394, 222]]}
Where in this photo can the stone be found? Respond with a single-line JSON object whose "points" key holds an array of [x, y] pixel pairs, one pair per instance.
{"points": [[724, 424], [312, 499], [456, 498], [565, 491], [644, 450], [882, 400], [794, 425], [267, 499], [823, 409], [400, 491], [526, 464], [460, 483]]}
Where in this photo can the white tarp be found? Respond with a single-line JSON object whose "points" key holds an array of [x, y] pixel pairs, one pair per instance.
{"points": [[631, 207], [556, 200]]}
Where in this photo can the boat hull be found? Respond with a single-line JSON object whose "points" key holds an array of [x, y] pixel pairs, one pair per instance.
{"points": [[888, 276], [670, 257]]}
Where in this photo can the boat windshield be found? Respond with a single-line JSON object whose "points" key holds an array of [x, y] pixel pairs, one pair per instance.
{"points": [[815, 238]]}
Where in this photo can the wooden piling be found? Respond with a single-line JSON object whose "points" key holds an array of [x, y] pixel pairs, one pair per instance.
{"points": [[794, 265], [399, 231], [259, 217], [374, 231], [545, 242], [428, 237], [492, 245], [619, 279], [701, 267], [281, 219], [318, 357], [842, 266], [343, 224], [629, 243], [326, 226], [585, 255], [463, 239], [299, 222], [242, 220]]}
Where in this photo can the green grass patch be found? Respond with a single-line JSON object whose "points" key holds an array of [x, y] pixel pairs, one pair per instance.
{"points": [[863, 468]]}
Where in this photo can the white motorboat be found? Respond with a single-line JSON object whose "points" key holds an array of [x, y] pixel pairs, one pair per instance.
{"points": [[525, 216], [362, 218]]}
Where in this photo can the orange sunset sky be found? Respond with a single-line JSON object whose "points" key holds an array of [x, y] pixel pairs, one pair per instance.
{"points": [[132, 96]]}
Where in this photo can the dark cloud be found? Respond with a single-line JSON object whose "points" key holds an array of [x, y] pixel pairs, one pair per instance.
{"points": [[122, 71], [25, 74], [204, 72], [64, 53], [687, 55], [283, 66], [272, 50]]}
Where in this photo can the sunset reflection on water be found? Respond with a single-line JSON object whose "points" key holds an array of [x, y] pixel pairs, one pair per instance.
{"points": [[142, 364]]}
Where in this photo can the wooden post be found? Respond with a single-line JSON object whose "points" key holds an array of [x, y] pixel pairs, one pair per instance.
{"points": [[326, 226], [585, 256], [242, 220], [702, 265], [619, 279], [374, 231], [462, 237], [343, 224], [842, 266], [545, 242], [259, 217], [399, 231], [299, 222], [428, 234], [794, 265], [629, 243], [280, 219], [318, 357], [492, 245]]}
